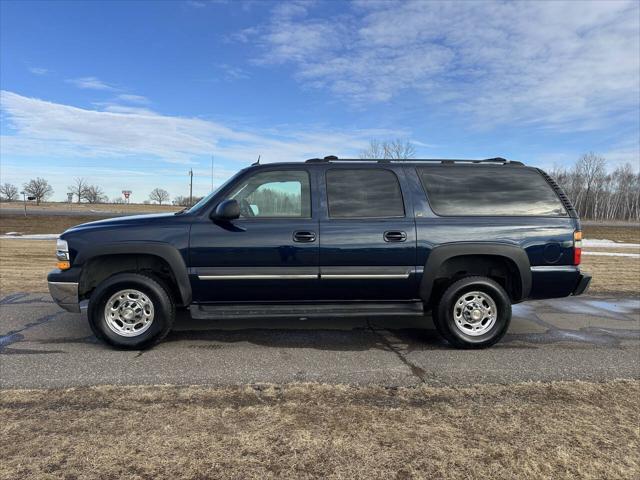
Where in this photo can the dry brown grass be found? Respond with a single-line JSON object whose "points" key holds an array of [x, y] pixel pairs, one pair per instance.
{"points": [[41, 223], [613, 275], [24, 265], [628, 233], [525, 431]]}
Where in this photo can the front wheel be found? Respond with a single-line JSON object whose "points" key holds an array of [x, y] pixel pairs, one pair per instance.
{"points": [[474, 312], [131, 311]]}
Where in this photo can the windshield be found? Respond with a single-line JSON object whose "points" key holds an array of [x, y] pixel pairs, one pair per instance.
{"points": [[204, 200]]}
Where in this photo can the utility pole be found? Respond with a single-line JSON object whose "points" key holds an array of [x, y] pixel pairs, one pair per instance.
{"points": [[24, 200], [191, 187]]}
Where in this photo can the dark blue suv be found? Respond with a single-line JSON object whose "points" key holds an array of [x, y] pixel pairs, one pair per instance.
{"points": [[463, 239]]}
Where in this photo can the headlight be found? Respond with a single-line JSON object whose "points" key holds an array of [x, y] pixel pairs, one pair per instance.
{"points": [[62, 254]]}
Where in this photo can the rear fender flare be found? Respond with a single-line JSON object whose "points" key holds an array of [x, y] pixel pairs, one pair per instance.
{"points": [[442, 253]]}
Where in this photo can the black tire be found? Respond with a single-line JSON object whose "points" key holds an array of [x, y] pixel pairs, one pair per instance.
{"points": [[445, 322], [163, 309]]}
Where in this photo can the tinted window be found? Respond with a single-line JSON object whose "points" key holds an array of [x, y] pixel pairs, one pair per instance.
{"points": [[274, 194], [364, 193], [489, 191]]}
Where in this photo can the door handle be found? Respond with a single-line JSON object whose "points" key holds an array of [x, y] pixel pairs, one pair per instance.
{"points": [[395, 236], [304, 236]]}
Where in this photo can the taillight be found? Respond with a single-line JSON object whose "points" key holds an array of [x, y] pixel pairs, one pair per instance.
{"points": [[577, 247]]}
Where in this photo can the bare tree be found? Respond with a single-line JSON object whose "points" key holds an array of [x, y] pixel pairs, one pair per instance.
{"points": [[374, 150], [93, 194], [398, 149], [159, 195], [597, 194], [590, 168], [38, 188], [78, 187], [8, 192]]}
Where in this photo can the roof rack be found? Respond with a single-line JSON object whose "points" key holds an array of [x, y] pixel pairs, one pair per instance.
{"points": [[333, 158]]}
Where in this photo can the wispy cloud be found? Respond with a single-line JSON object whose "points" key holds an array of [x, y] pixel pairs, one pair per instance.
{"points": [[204, 3], [129, 98], [563, 65], [231, 72], [38, 70], [57, 130], [90, 83]]}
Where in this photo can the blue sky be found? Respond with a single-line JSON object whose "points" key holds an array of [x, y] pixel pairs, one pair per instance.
{"points": [[134, 94]]}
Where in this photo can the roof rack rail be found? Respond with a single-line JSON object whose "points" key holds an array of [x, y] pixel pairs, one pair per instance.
{"points": [[333, 158]]}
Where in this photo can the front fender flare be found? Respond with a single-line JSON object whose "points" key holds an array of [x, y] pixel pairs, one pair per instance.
{"points": [[167, 252], [442, 253]]}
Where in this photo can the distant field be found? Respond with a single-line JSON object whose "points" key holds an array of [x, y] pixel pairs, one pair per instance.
{"points": [[117, 208], [42, 223], [628, 233]]}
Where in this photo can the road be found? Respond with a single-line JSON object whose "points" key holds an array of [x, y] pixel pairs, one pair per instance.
{"points": [[584, 338]]}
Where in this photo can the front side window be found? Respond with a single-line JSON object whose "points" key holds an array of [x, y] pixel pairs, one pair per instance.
{"points": [[275, 194], [364, 193], [489, 191]]}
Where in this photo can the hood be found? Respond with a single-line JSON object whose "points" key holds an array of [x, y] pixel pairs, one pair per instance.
{"points": [[123, 221]]}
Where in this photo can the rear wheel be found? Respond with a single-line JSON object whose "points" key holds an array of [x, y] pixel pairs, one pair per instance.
{"points": [[131, 311], [474, 312]]}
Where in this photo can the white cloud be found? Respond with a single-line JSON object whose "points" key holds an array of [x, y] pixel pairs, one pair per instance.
{"points": [[563, 65], [121, 146], [90, 83], [64, 131], [38, 70]]}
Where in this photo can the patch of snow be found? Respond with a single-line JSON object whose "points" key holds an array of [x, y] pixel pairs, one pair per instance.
{"points": [[594, 242], [33, 236], [613, 254]]}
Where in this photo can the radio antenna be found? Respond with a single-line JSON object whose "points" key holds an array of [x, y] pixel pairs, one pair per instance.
{"points": [[257, 162]]}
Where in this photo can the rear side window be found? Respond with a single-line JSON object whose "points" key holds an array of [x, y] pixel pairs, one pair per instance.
{"points": [[364, 193], [489, 191]]}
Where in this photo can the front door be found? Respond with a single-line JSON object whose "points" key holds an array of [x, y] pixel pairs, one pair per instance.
{"points": [[367, 235], [270, 253]]}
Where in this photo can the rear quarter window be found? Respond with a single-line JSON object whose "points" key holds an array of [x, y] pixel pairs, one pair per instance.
{"points": [[489, 191]]}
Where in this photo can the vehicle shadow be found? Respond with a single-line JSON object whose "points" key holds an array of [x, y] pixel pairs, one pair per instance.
{"points": [[330, 333]]}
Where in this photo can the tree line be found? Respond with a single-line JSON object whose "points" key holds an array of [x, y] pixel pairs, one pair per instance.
{"points": [[80, 191], [598, 193]]}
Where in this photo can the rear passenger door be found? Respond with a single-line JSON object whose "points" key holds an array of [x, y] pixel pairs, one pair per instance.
{"points": [[367, 234]]}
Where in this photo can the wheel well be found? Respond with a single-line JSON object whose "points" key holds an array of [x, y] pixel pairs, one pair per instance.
{"points": [[501, 269], [98, 269]]}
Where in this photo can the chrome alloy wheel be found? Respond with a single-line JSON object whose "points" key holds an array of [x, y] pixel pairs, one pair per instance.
{"points": [[129, 313], [475, 313]]}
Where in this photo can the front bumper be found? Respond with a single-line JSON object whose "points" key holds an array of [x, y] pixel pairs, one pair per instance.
{"points": [[583, 284], [65, 294]]}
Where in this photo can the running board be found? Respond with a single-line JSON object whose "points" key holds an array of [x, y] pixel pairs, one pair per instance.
{"points": [[255, 310]]}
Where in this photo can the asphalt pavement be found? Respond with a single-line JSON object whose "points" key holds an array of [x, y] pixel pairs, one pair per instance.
{"points": [[585, 338]]}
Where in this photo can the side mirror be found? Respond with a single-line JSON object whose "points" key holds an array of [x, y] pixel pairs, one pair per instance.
{"points": [[226, 210]]}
